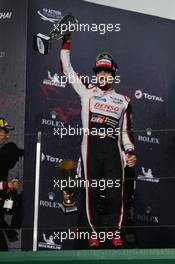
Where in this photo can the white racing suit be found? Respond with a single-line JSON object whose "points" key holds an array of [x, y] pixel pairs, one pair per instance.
{"points": [[102, 156]]}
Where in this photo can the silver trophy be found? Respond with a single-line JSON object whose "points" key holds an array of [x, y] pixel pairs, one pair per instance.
{"points": [[42, 43]]}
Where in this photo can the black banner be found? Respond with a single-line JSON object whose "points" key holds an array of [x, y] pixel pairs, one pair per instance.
{"points": [[144, 50]]}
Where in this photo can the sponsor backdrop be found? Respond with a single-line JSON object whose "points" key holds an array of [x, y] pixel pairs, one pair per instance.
{"points": [[13, 16], [144, 49], [13, 32]]}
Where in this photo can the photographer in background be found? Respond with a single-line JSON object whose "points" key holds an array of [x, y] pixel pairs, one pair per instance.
{"points": [[9, 155]]}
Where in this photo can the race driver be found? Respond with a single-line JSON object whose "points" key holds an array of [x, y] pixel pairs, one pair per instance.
{"points": [[102, 108]]}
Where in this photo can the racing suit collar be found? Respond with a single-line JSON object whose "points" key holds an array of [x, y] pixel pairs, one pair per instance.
{"points": [[105, 92]]}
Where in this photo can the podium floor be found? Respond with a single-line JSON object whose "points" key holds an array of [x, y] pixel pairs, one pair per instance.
{"points": [[145, 256]]}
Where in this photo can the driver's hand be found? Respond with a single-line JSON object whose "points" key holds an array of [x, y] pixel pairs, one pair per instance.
{"points": [[131, 160]]}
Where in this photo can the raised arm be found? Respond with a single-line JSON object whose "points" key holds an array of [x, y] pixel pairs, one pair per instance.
{"points": [[67, 69]]}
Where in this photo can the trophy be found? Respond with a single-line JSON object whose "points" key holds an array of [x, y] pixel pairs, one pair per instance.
{"points": [[68, 173], [42, 43]]}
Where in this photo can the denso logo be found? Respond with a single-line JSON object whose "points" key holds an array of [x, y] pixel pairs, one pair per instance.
{"points": [[106, 107]]}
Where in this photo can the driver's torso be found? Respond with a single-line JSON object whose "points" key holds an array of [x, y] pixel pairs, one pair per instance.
{"points": [[103, 109]]}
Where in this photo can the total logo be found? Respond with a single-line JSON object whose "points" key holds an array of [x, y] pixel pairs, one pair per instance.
{"points": [[55, 80], [148, 138], [106, 107], [5, 15], [49, 242], [147, 216], [50, 203], [141, 95], [50, 15], [52, 122], [49, 158], [147, 176]]}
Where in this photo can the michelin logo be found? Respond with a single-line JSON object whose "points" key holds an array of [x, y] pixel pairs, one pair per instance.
{"points": [[49, 243], [55, 80], [147, 176]]}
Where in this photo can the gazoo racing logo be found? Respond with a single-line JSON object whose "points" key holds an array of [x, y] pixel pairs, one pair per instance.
{"points": [[106, 107], [98, 119], [50, 15], [139, 95]]}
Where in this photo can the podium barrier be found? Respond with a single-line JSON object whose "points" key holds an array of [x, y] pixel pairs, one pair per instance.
{"points": [[133, 256]]}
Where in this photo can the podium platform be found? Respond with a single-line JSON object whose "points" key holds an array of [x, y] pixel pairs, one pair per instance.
{"points": [[134, 256]]}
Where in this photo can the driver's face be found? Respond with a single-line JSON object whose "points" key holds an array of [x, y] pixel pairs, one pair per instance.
{"points": [[104, 78], [4, 135]]}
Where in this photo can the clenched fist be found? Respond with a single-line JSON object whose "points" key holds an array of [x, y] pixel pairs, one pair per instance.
{"points": [[131, 160]]}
